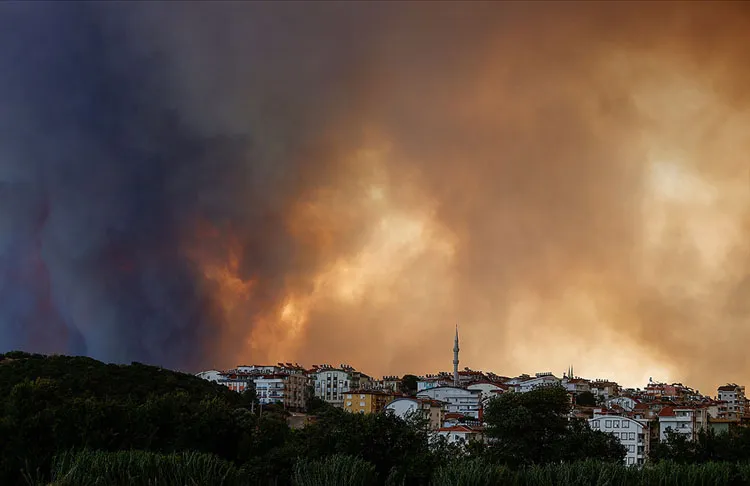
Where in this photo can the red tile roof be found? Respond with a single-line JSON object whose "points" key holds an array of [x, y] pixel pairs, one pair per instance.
{"points": [[666, 412]]}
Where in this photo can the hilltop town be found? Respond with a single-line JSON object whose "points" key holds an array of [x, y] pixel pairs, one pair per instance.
{"points": [[454, 402]]}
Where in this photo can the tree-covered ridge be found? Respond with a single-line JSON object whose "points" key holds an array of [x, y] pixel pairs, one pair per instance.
{"points": [[55, 406], [84, 377]]}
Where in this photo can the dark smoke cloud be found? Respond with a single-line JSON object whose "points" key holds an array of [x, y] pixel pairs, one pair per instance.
{"points": [[199, 184]]}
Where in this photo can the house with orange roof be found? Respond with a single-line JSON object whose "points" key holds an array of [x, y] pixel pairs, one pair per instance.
{"points": [[462, 434]]}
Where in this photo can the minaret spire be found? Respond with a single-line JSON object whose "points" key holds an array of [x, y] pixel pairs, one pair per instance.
{"points": [[455, 359]]}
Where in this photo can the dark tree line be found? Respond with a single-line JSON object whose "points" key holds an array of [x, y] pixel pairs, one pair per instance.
{"points": [[49, 405]]}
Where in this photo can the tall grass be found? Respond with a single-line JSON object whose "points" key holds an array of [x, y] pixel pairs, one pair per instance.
{"points": [[594, 473], [338, 470], [471, 472], [140, 468]]}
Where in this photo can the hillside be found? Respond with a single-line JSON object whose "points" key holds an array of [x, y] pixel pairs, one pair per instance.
{"points": [[88, 378]]}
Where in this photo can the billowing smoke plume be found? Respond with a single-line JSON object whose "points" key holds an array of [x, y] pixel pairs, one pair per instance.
{"points": [[198, 185]]}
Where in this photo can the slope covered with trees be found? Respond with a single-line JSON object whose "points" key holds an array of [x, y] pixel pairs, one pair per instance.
{"points": [[52, 405]]}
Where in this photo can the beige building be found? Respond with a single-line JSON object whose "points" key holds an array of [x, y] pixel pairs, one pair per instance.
{"points": [[288, 389], [366, 401]]}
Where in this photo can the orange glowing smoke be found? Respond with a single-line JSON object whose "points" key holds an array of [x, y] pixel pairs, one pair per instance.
{"points": [[568, 183]]}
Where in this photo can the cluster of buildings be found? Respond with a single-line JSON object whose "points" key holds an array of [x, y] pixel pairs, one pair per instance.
{"points": [[454, 402]]}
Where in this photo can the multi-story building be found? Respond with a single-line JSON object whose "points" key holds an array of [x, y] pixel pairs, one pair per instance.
{"points": [[734, 396], [604, 388], [457, 400], [390, 384], [238, 382], [331, 384], [626, 403], [211, 375], [405, 406], [366, 401], [488, 390], [433, 381], [288, 389], [684, 420], [632, 434], [539, 380]]}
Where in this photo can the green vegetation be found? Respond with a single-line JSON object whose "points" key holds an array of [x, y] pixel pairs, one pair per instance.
{"points": [[128, 468], [533, 428], [76, 421], [593, 473], [337, 470]]}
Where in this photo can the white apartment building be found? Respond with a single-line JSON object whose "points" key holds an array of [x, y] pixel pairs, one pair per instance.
{"points": [[488, 390], [539, 380], [211, 375], [631, 433], [734, 396], [287, 389], [457, 400], [688, 421], [626, 403], [331, 384]]}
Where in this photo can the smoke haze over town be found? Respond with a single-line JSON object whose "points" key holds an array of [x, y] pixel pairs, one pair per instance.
{"points": [[199, 185]]}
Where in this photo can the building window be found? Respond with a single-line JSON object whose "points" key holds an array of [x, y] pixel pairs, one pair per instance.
{"points": [[631, 461], [625, 424], [631, 448], [624, 436], [631, 435], [616, 424], [608, 423], [361, 404]]}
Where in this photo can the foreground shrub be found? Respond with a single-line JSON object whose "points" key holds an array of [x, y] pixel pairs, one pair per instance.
{"points": [[337, 470], [140, 468]]}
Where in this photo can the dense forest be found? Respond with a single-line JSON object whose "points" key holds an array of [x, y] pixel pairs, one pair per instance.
{"points": [[77, 421]]}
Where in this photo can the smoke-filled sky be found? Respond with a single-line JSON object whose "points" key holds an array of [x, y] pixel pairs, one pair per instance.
{"points": [[199, 185]]}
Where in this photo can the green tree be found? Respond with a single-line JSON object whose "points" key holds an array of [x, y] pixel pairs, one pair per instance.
{"points": [[586, 399], [409, 384], [582, 442], [529, 428]]}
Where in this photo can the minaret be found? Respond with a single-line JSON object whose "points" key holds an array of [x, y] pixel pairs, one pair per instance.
{"points": [[455, 359]]}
